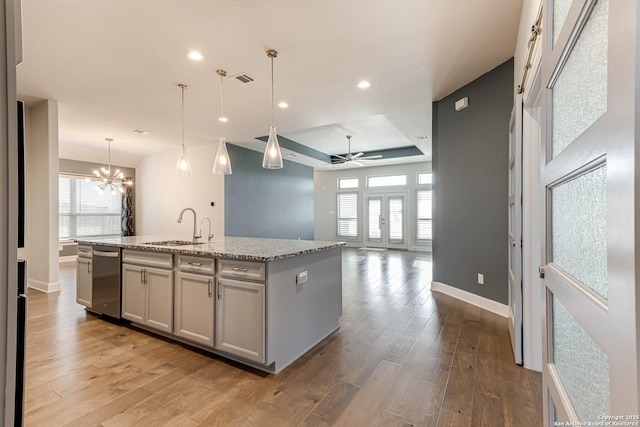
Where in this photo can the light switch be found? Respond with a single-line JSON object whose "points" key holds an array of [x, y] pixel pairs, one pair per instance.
{"points": [[480, 279]]}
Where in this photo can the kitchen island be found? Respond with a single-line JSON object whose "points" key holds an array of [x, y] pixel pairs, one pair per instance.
{"points": [[262, 302]]}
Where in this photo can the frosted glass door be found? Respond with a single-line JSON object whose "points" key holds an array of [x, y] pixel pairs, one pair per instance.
{"points": [[590, 368]]}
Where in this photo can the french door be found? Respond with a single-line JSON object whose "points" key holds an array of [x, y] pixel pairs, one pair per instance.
{"points": [[515, 230], [589, 172], [385, 221]]}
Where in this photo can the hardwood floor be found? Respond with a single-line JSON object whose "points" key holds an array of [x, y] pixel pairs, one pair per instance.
{"points": [[403, 357]]}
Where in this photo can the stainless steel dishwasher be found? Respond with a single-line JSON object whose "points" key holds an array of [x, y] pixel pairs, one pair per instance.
{"points": [[106, 281]]}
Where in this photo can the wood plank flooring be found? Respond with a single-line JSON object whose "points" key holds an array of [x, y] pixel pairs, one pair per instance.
{"points": [[403, 356]]}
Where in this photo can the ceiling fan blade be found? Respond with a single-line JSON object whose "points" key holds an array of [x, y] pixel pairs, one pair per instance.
{"points": [[357, 163], [371, 157], [343, 163], [355, 156], [340, 157]]}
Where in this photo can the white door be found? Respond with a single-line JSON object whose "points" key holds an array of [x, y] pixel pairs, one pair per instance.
{"points": [[589, 172], [240, 323], [194, 307], [159, 283], [385, 221], [515, 230], [134, 294]]}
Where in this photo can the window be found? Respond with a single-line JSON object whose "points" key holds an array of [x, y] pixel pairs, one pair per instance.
{"points": [[425, 178], [85, 212], [348, 183], [423, 205], [347, 215], [386, 181]]}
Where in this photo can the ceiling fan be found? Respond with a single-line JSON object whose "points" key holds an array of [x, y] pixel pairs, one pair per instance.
{"points": [[354, 159]]}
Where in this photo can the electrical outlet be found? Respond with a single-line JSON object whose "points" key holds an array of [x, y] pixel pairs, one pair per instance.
{"points": [[480, 279], [301, 277]]}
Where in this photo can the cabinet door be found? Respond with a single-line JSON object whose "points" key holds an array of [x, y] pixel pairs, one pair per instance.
{"points": [[133, 293], [159, 285], [194, 307], [83, 282], [240, 319]]}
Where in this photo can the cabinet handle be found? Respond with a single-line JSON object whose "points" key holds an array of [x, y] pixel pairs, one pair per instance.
{"points": [[219, 294], [209, 287], [88, 266], [243, 270], [142, 277], [195, 264], [146, 277]]}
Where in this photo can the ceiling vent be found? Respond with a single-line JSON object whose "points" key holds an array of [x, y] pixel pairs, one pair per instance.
{"points": [[243, 78]]}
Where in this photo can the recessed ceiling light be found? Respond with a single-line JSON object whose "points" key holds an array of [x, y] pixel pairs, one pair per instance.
{"points": [[283, 105], [195, 55], [141, 132], [223, 119], [364, 85]]}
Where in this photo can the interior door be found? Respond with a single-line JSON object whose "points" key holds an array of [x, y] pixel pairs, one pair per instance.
{"points": [[515, 230], [385, 225], [589, 170]]}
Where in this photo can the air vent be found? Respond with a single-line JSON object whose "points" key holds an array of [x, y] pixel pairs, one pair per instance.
{"points": [[244, 78], [422, 138]]}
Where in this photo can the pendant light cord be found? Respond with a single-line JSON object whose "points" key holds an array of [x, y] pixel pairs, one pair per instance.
{"points": [[182, 88], [273, 104], [222, 105]]}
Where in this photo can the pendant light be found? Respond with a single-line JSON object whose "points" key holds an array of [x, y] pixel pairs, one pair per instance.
{"points": [[183, 165], [222, 163], [272, 156], [111, 182]]}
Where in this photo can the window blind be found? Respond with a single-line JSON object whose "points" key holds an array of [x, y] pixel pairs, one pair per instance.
{"points": [[347, 215], [86, 212], [424, 216]]}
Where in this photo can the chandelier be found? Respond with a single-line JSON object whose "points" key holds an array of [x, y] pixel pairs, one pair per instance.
{"points": [[111, 182]]}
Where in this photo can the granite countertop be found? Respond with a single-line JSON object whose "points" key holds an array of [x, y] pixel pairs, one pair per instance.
{"points": [[247, 248]]}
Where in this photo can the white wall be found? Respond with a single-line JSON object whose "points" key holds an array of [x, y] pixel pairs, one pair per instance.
{"points": [[326, 188], [41, 210], [160, 195]]}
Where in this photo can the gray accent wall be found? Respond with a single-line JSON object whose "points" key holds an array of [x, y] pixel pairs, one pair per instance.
{"points": [[470, 165], [267, 203]]}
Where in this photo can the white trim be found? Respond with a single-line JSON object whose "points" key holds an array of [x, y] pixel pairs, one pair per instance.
{"points": [[44, 286], [69, 259], [425, 248], [473, 299]]}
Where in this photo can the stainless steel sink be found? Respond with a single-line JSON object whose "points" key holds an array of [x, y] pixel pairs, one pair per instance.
{"points": [[172, 243]]}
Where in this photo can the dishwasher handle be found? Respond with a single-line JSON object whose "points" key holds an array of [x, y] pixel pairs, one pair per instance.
{"points": [[106, 254]]}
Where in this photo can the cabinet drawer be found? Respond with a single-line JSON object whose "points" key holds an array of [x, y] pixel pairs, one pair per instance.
{"points": [[241, 269], [196, 264], [85, 251], [151, 259]]}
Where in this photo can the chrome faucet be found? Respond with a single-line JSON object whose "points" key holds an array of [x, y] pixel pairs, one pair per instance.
{"points": [[196, 236], [209, 236]]}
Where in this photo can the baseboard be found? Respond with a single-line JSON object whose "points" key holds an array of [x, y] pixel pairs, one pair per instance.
{"points": [[44, 286], [468, 297], [70, 259]]}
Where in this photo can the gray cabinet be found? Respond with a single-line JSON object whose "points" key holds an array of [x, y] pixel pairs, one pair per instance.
{"points": [[84, 282], [193, 299], [147, 291], [240, 319]]}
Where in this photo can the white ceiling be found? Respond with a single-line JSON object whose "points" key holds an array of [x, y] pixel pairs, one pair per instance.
{"points": [[113, 66]]}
